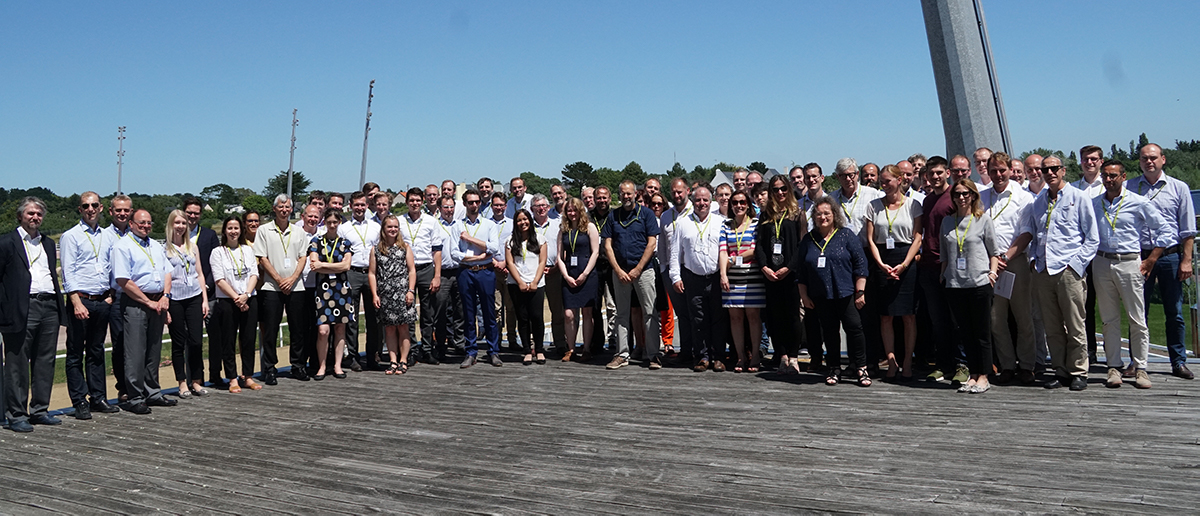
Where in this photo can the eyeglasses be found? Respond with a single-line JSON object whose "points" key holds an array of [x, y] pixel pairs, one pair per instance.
{"points": [[541, 206], [144, 223], [92, 205], [848, 175], [964, 194], [780, 189], [658, 203], [1053, 168]]}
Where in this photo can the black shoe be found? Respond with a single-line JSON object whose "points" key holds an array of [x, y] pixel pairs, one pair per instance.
{"points": [[20, 426], [43, 419], [269, 377], [374, 366], [1056, 383], [339, 376], [318, 377], [467, 362], [1182, 371], [494, 359], [1079, 383], [82, 410], [136, 408], [161, 401], [102, 407], [298, 373]]}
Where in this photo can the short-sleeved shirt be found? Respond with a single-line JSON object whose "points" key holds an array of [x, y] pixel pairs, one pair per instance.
{"points": [[185, 273], [422, 235], [285, 250], [1007, 210], [978, 246], [736, 241], [526, 263], [630, 231], [362, 236], [898, 223], [935, 208], [235, 266], [854, 207], [142, 261], [548, 234]]}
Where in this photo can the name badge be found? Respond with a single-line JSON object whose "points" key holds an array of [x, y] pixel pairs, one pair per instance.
{"points": [[820, 262], [157, 276], [777, 248], [574, 261], [891, 243], [100, 270], [333, 277], [287, 264], [961, 263], [737, 260]]}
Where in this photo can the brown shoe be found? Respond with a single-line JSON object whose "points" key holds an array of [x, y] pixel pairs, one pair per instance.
{"points": [[1114, 378], [1130, 371], [251, 384], [701, 366], [1143, 379], [567, 356], [718, 366], [617, 362]]}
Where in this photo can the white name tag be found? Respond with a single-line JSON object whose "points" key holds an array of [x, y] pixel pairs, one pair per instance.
{"points": [[961, 263], [777, 248], [574, 261], [287, 264], [820, 262], [737, 260], [891, 243], [157, 276], [333, 277], [100, 270]]}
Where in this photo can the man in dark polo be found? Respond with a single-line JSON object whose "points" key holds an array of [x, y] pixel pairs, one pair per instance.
{"points": [[30, 305], [630, 238]]}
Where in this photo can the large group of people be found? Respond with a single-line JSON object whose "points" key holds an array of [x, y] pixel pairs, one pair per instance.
{"points": [[913, 268]]}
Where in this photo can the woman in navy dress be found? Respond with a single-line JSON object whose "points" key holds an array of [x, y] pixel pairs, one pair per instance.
{"points": [[329, 256], [578, 248]]}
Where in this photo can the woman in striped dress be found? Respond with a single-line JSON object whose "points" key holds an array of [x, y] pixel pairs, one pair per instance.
{"points": [[742, 283]]}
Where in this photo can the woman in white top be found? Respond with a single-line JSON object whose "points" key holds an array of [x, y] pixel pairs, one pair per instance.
{"points": [[188, 308], [525, 258], [235, 271], [894, 233]]}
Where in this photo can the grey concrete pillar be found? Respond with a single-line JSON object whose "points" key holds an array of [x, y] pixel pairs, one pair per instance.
{"points": [[968, 92]]}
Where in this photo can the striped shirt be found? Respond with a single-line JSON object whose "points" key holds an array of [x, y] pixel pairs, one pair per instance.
{"points": [[736, 242]]}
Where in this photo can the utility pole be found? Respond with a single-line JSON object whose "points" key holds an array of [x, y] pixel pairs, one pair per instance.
{"points": [[120, 155], [362, 177], [292, 154]]}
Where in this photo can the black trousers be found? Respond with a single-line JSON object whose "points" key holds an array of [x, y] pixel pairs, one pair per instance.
{"points": [[85, 345], [429, 315], [947, 345], [272, 304], [832, 312], [231, 323], [450, 324], [531, 326], [187, 338], [306, 321], [972, 312], [600, 334], [29, 362], [783, 316], [1089, 314], [360, 292], [704, 306], [116, 329]]}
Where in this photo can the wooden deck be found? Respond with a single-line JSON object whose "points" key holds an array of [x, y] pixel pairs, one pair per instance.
{"points": [[572, 438]]}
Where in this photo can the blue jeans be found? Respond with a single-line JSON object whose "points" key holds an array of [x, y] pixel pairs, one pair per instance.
{"points": [[478, 289], [1170, 289]]}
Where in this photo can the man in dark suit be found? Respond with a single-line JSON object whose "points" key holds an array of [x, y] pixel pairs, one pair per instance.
{"points": [[30, 311]]}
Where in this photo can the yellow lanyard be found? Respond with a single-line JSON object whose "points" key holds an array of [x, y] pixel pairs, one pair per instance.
{"points": [[238, 268], [289, 239], [478, 226], [444, 226], [28, 257], [412, 235], [741, 233], [362, 238], [1050, 211], [1112, 221], [997, 215], [330, 247], [600, 223], [144, 251], [826, 244], [544, 229], [574, 240], [891, 219], [698, 228], [962, 239], [675, 217], [854, 208], [95, 252], [636, 215], [1148, 187]]}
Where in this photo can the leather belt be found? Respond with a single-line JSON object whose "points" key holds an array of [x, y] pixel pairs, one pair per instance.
{"points": [[424, 265], [358, 269], [155, 296], [96, 297], [1119, 256], [42, 296], [1170, 250], [477, 268]]}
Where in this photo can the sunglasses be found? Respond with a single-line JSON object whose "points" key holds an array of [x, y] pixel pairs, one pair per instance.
{"points": [[658, 203], [964, 194], [93, 205], [252, 221], [1053, 168], [741, 202], [476, 201], [780, 189]]}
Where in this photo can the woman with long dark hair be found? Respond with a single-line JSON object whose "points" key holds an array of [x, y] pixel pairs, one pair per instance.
{"points": [[525, 258], [235, 271], [743, 289]]}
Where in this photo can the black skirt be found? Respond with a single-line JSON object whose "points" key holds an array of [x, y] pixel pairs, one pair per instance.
{"points": [[895, 297]]}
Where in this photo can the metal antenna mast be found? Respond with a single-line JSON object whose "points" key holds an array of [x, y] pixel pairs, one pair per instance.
{"points": [[292, 153], [362, 177], [120, 155]]}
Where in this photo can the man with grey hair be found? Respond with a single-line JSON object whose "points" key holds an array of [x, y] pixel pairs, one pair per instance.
{"points": [[558, 194], [588, 194], [30, 304], [140, 265], [630, 238], [960, 168], [918, 162], [547, 229], [281, 249], [854, 198]]}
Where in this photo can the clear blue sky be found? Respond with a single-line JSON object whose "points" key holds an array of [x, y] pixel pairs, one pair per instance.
{"points": [[466, 89]]}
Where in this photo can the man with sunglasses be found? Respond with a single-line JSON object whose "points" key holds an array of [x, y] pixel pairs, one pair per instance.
{"points": [[85, 266], [1174, 203], [1034, 185], [1062, 238]]}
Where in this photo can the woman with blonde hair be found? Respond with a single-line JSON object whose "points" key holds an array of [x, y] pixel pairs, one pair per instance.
{"points": [[970, 260], [393, 279], [578, 248], [188, 307], [893, 230]]}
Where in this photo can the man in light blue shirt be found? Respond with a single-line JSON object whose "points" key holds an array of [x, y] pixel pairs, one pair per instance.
{"points": [[140, 266], [1174, 203], [477, 243], [1120, 272], [85, 251], [120, 208], [1060, 231]]}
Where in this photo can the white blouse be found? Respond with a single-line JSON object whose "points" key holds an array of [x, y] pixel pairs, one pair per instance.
{"points": [[235, 266], [527, 264]]}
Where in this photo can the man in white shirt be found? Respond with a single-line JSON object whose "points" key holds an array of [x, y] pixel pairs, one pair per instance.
{"points": [[681, 208], [308, 228], [981, 156], [547, 229], [282, 250], [449, 189], [854, 198], [506, 314], [1090, 158], [420, 232], [363, 235], [694, 272], [908, 173], [518, 201], [449, 328], [1007, 204]]}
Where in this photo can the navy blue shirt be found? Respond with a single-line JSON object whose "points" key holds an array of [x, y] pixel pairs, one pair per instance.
{"points": [[630, 231], [844, 261]]}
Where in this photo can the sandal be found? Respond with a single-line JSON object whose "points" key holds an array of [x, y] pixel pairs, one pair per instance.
{"points": [[893, 368], [393, 368], [864, 378], [401, 368], [251, 384], [234, 388], [832, 377], [785, 364], [753, 367]]}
